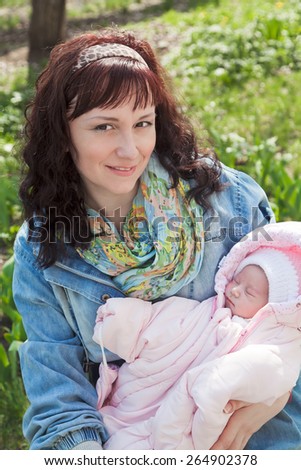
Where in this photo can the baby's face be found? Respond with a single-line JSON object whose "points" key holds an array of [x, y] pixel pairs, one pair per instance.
{"points": [[248, 292]]}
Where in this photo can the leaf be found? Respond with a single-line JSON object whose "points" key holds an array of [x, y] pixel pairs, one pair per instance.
{"points": [[15, 345], [8, 268], [3, 356]]}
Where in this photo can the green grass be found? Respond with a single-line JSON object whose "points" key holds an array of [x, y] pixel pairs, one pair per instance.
{"points": [[239, 75], [13, 3], [83, 9], [13, 13], [13, 99], [18, 11]]}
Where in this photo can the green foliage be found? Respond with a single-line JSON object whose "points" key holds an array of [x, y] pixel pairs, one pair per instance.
{"points": [[214, 44], [12, 333], [239, 74], [97, 7], [12, 104], [13, 397], [269, 168], [14, 400], [12, 15], [9, 22], [232, 55], [13, 3], [10, 209]]}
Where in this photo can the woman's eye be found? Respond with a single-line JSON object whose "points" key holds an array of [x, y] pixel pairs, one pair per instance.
{"points": [[144, 124], [103, 127]]}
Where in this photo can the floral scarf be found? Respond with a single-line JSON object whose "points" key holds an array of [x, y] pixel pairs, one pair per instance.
{"points": [[160, 248]]}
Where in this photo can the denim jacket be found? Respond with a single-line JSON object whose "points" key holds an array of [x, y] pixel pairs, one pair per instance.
{"points": [[58, 306]]}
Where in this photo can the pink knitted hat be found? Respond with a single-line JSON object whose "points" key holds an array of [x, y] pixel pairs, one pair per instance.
{"points": [[282, 269]]}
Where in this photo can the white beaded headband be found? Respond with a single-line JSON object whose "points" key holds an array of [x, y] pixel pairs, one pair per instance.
{"points": [[107, 50]]}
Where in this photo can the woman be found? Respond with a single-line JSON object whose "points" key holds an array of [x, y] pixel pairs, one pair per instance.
{"points": [[118, 200]]}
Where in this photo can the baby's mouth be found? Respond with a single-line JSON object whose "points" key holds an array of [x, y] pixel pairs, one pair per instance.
{"points": [[229, 301]]}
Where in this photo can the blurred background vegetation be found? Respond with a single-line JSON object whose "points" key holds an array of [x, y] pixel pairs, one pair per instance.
{"points": [[236, 67]]}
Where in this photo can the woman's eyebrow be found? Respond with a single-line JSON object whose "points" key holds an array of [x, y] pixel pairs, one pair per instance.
{"points": [[110, 118], [105, 118]]}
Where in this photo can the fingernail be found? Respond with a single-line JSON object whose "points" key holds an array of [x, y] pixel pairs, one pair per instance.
{"points": [[228, 408]]}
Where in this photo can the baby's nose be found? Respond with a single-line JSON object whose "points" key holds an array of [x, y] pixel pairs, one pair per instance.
{"points": [[235, 291]]}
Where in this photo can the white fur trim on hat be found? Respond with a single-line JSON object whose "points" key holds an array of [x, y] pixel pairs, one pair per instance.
{"points": [[280, 272]]}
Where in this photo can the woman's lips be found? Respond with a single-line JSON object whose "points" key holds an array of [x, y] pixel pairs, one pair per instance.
{"points": [[122, 170]]}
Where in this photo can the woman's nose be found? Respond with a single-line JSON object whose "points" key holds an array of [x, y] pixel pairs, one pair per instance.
{"points": [[127, 146]]}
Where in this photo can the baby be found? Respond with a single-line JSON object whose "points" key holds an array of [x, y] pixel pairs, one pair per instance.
{"points": [[186, 359]]}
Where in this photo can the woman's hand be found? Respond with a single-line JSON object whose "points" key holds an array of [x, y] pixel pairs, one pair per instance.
{"points": [[246, 420]]}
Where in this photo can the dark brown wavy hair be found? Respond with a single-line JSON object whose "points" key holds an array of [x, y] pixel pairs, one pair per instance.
{"points": [[51, 191]]}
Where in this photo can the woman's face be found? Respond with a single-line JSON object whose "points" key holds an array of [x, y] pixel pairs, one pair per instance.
{"points": [[111, 148]]}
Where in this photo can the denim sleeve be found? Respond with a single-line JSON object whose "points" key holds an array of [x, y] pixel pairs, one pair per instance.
{"points": [[256, 200], [245, 200], [62, 411]]}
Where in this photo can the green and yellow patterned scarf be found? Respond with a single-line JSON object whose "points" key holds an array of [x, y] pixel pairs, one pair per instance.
{"points": [[160, 248]]}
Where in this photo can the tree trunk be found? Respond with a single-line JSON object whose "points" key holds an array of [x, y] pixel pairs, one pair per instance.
{"points": [[47, 27]]}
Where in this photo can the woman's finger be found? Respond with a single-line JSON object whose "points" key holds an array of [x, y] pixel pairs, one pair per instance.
{"points": [[234, 405]]}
